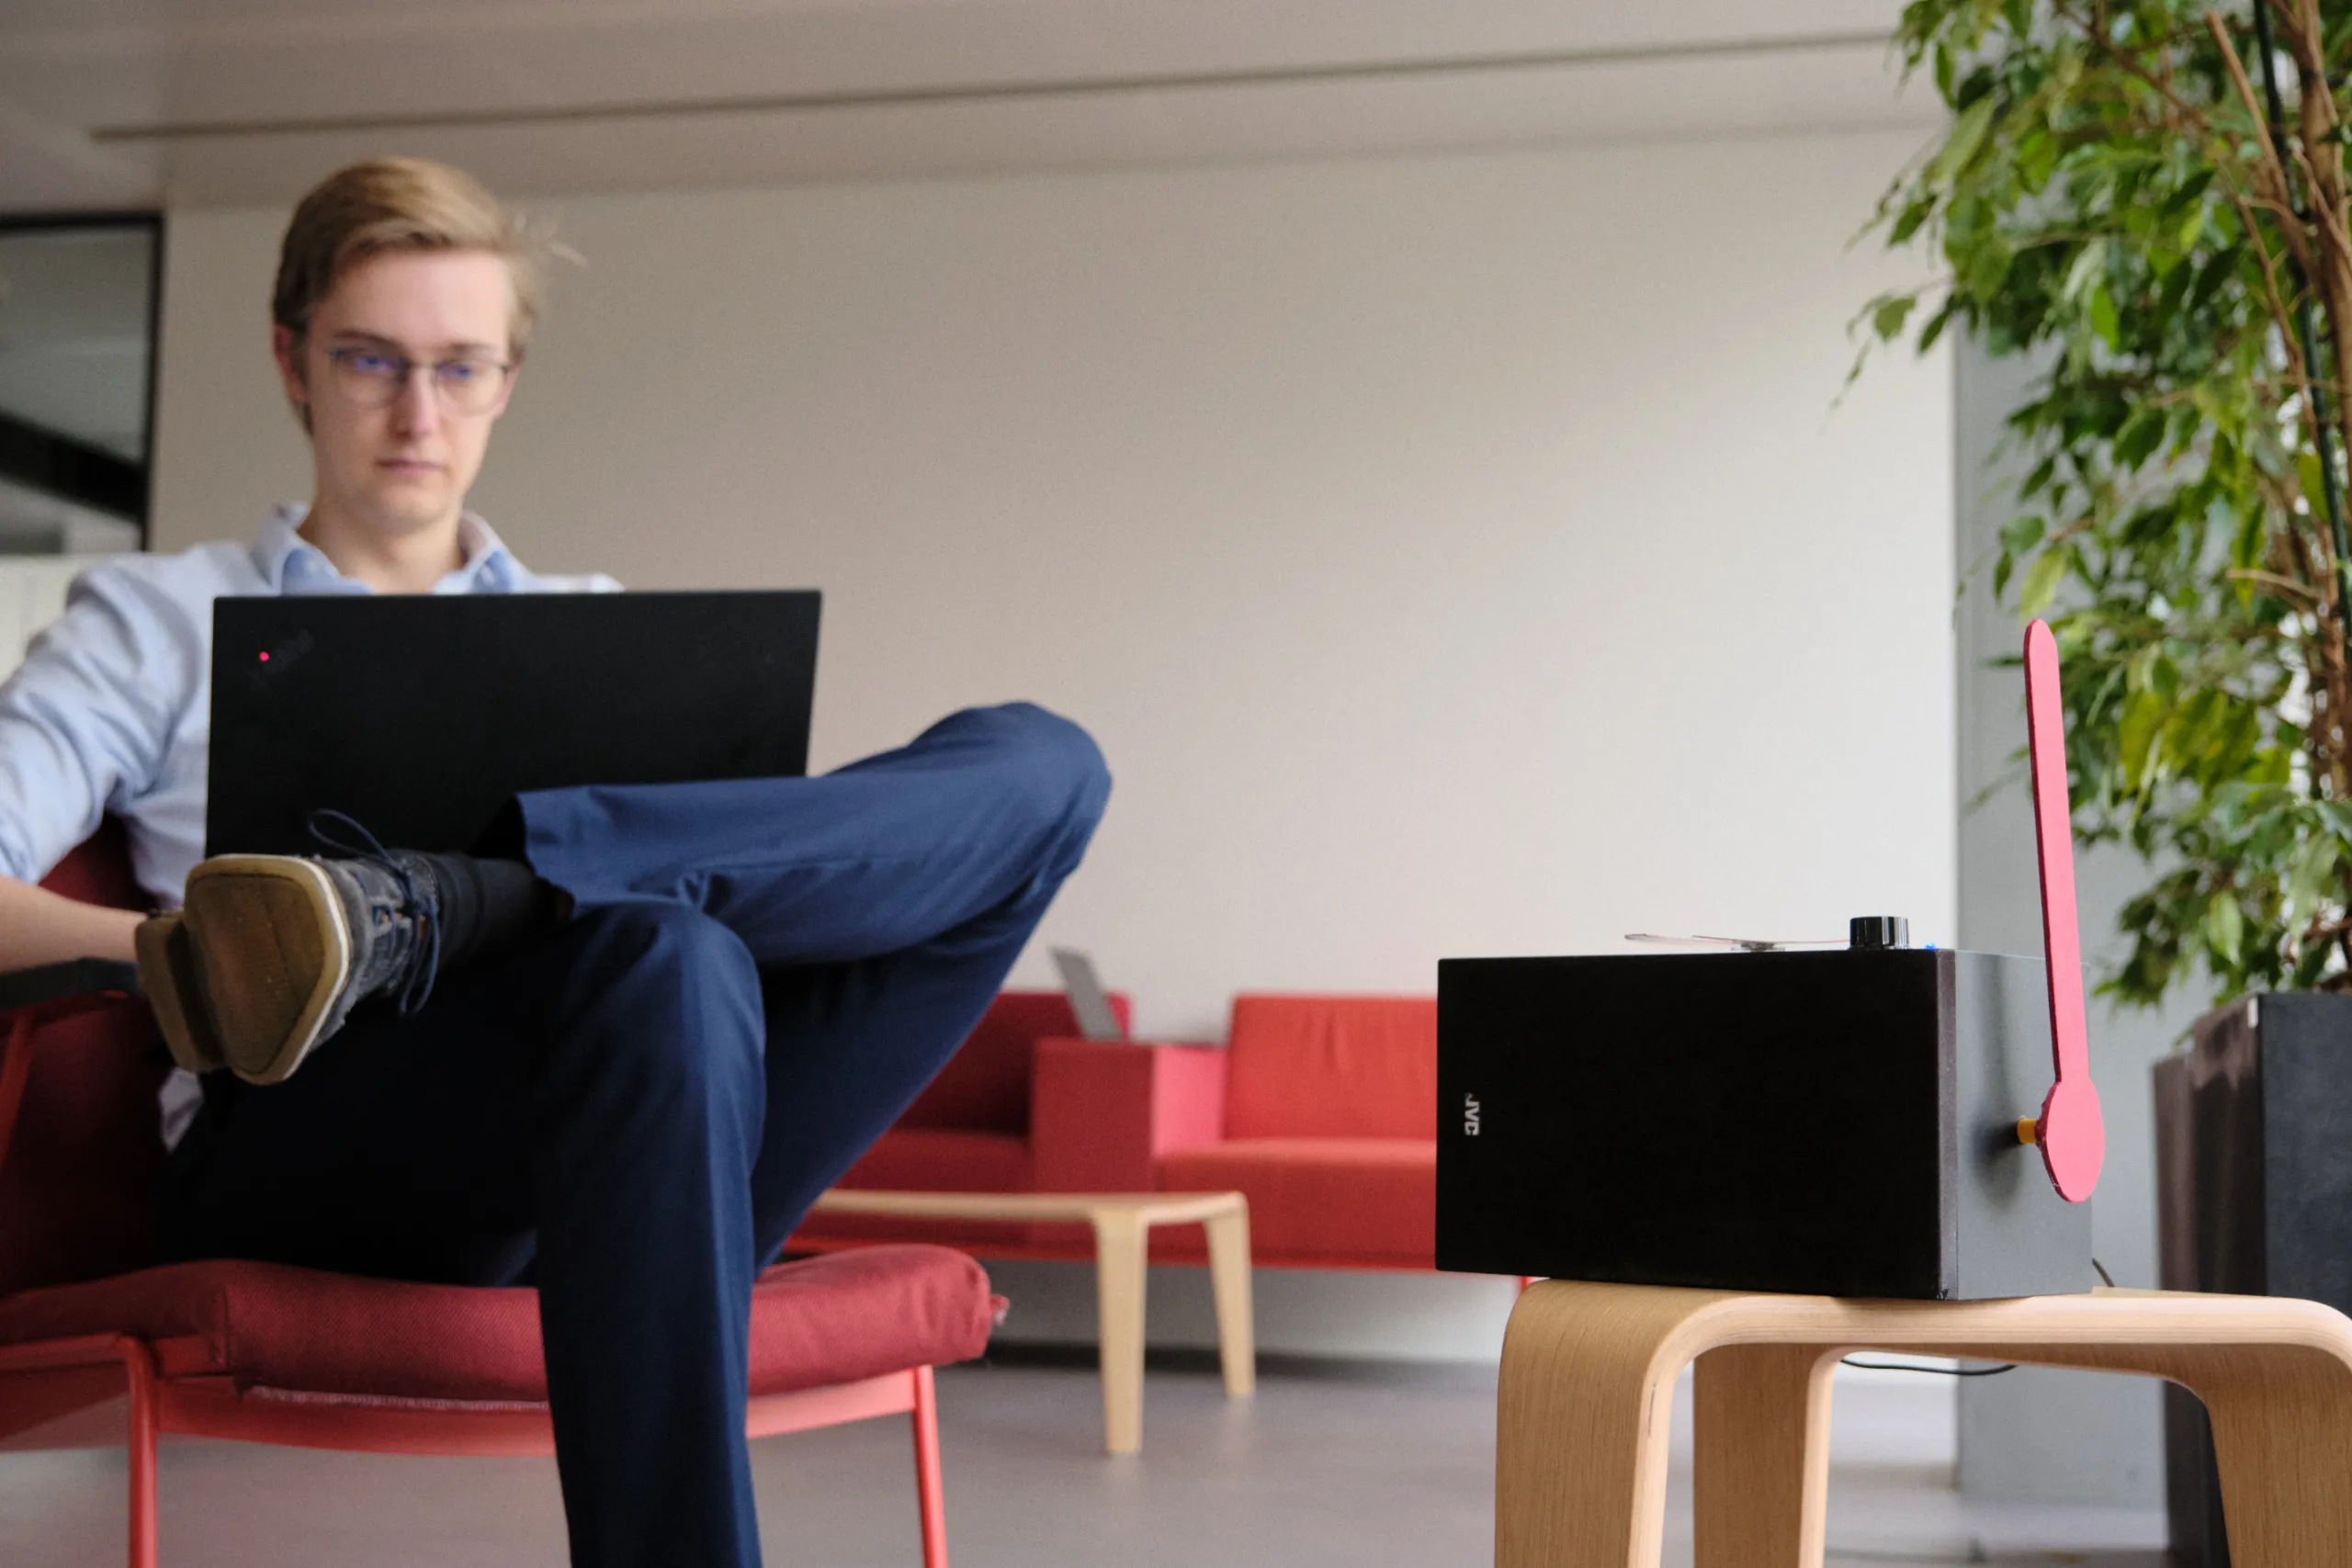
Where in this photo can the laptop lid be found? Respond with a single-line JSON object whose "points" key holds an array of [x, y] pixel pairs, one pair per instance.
{"points": [[1096, 1019], [420, 715]]}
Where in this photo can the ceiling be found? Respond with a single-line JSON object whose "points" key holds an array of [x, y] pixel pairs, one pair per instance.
{"points": [[193, 103]]}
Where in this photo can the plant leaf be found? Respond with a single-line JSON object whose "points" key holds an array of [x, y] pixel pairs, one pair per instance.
{"points": [[1967, 136], [2041, 581]]}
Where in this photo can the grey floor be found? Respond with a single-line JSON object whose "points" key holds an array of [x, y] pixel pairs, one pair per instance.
{"points": [[1340, 1464]]}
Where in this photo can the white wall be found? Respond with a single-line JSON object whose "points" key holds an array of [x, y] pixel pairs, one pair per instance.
{"points": [[1452, 556]]}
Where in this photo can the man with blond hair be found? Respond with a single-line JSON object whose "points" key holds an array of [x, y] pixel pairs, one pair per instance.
{"points": [[662, 1018]]}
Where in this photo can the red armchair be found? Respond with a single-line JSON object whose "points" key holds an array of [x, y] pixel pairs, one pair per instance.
{"points": [[1321, 1109], [265, 1353]]}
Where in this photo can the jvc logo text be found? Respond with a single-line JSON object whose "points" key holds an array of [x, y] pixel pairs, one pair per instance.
{"points": [[1469, 1115]]}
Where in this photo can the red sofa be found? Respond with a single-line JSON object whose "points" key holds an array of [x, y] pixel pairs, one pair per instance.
{"points": [[1321, 1108]]}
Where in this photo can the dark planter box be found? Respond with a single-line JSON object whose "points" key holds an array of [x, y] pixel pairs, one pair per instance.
{"points": [[2254, 1197]]}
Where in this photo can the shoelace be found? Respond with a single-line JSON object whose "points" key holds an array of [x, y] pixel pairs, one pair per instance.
{"points": [[418, 989]]}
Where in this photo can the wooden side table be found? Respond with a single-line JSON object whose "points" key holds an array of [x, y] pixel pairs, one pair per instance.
{"points": [[1588, 1373], [1121, 1222]]}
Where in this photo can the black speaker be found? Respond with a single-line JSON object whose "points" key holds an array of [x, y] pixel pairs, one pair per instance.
{"points": [[1841, 1122]]}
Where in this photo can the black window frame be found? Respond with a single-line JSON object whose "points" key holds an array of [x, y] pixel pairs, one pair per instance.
{"points": [[61, 465]]}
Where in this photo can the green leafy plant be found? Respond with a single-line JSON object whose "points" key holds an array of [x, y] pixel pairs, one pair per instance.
{"points": [[2116, 196]]}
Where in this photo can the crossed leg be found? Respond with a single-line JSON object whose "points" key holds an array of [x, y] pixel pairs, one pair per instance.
{"points": [[634, 1112]]}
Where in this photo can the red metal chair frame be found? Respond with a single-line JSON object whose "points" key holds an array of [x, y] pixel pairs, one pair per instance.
{"points": [[48, 1379]]}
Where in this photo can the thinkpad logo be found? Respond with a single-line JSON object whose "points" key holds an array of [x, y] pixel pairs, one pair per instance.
{"points": [[269, 663]]}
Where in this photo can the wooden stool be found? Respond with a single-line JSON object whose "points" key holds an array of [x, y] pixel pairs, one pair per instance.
{"points": [[1121, 1222], [1588, 1373]]}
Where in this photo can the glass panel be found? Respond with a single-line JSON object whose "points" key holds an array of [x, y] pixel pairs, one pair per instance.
{"points": [[74, 310], [76, 313]]}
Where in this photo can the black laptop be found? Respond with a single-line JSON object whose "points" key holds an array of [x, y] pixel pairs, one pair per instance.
{"points": [[420, 715]]}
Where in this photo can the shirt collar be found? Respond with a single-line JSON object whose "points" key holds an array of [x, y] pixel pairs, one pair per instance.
{"points": [[490, 567], [291, 564]]}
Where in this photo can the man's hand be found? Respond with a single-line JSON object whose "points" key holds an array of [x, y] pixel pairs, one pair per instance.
{"points": [[38, 927]]}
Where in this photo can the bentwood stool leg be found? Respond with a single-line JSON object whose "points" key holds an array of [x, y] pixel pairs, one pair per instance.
{"points": [[2280, 1399], [1760, 1459], [2280, 1395], [1587, 1371], [1584, 1404], [2282, 1435], [1237, 1340], [1118, 1297]]}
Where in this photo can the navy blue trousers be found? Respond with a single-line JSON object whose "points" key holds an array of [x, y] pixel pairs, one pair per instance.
{"points": [[634, 1112]]}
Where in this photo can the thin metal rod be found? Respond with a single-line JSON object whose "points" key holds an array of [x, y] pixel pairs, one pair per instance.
{"points": [[139, 1366]]}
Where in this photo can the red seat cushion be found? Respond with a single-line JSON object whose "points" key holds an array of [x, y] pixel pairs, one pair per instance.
{"points": [[819, 1321], [1341, 1200], [1305, 1066]]}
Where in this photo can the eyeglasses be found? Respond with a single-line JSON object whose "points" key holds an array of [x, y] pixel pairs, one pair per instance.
{"points": [[372, 378]]}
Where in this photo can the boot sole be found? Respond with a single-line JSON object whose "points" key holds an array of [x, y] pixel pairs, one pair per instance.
{"points": [[167, 978], [271, 955]]}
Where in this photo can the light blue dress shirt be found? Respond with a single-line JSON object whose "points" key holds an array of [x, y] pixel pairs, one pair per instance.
{"points": [[111, 712]]}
